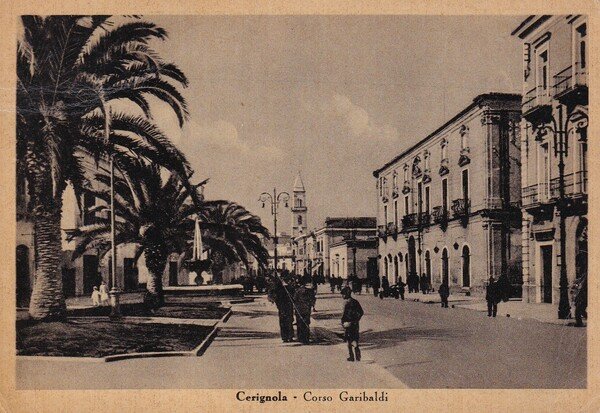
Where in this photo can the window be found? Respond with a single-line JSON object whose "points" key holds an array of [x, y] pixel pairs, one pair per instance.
{"points": [[427, 200], [445, 194], [406, 205], [464, 137], [581, 48], [89, 202], [420, 197], [426, 157], [395, 180], [299, 219], [583, 166], [543, 71], [544, 172], [465, 184], [385, 215], [396, 212], [405, 173]]}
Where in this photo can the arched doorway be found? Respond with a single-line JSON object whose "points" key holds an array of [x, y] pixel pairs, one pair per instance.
{"points": [[428, 266], [466, 266], [23, 282], [385, 266], [581, 253], [413, 278], [396, 269], [445, 265], [406, 269]]}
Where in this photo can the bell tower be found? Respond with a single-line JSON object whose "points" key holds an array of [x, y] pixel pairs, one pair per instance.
{"points": [[299, 210]]}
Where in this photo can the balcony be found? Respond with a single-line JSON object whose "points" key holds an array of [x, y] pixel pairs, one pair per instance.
{"points": [[537, 195], [575, 185], [570, 86], [409, 221], [460, 207], [423, 219], [537, 105], [439, 214], [381, 231], [392, 229]]}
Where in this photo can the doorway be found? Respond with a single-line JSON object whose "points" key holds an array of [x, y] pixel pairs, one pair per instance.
{"points": [[173, 271], [91, 277], [466, 266], [130, 274], [23, 281], [412, 263], [445, 266], [546, 278]]}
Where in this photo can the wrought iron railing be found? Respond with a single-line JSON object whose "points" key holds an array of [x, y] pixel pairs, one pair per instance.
{"points": [[460, 207], [537, 96], [439, 214], [568, 78]]}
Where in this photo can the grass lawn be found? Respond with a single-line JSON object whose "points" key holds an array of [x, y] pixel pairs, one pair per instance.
{"points": [[100, 338], [176, 310]]}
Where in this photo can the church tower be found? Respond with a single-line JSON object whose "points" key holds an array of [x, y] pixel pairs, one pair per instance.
{"points": [[299, 210]]}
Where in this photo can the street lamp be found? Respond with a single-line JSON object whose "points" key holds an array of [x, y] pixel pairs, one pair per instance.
{"points": [[274, 200], [560, 131]]}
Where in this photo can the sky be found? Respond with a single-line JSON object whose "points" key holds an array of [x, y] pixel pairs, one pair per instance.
{"points": [[334, 97]]}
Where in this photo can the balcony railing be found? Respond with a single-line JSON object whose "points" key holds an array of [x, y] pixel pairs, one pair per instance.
{"points": [[575, 184], [538, 96], [460, 207], [409, 221], [381, 231], [391, 228], [439, 214], [568, 79], [424, 218]]}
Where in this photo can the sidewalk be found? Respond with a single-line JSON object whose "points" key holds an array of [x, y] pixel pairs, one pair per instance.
{"points": [[248, 353], [545, 313]]}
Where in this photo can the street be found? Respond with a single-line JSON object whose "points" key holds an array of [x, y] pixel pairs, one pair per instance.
{"points": [[405, 344], [427, 346]]}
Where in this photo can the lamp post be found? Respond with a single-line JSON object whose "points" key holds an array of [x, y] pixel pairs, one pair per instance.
{"points": [[274, 200], [115, 311], [560, 131]]}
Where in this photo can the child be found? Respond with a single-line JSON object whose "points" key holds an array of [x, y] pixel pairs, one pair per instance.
{"points": [[350, 318], [96, 297]]}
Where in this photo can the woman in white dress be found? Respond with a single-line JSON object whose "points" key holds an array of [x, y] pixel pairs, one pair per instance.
{"points": [[104, 293]]}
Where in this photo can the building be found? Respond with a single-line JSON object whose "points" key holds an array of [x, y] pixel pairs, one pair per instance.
{"points": [[82, 274], [348, 257], [299, 208], [285, 252], [312, 250], [554, 153], [449, 206]]}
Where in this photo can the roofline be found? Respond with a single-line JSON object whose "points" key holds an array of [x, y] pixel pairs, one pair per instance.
{"points": [[477, 101], [528, 25]]}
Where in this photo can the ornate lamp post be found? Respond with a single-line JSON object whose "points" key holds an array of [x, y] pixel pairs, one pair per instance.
{"points": [[560, 131], [274, 200]]}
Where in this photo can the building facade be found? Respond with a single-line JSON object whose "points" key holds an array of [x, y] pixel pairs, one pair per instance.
{"points": [[449, 206], [554, 153], [348, 257]]}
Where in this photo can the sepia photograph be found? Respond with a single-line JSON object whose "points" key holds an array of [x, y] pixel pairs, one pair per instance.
{"points": [[281, 202]]}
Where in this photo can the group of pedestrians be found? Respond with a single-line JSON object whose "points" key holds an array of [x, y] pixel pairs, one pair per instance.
{"points": [[293, 297], [100, 295]]}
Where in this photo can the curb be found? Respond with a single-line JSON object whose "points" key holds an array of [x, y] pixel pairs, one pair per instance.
{"points": [[195, 352]]}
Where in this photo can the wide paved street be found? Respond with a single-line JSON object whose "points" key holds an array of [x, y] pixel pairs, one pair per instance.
{"points": [[405, 343], [427, 346]]}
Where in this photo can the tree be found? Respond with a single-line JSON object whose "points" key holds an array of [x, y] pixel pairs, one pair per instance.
{"points": [[233, 234], [69, 69], [152, 212]]}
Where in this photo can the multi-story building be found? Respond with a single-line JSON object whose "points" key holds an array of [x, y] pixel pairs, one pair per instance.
{"points": [[554, 153], [449, 206], [349, 257]]}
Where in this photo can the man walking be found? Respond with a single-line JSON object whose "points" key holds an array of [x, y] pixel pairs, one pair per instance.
{"points": [[375, 283], [281, 294], [444, 292], [353, 312], [305, 300], [491, 296]]}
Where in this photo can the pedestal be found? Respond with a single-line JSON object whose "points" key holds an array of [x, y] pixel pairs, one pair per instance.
{"points": [[115, 311]]}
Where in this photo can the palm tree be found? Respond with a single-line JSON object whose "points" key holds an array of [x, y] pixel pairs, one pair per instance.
{"points": [[157, 214], [69, 69], [153, 212], [232, 234]]}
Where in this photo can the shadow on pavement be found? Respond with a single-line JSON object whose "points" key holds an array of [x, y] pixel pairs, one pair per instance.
{"points": [[326, 316], [240, 334], [393, 337]]}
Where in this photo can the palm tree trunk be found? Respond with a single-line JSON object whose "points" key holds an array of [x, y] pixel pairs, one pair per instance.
{"points": [[156, 261], [47, 298]]}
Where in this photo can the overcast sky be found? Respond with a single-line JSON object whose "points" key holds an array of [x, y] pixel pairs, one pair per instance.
{"points": [[332, 96]]}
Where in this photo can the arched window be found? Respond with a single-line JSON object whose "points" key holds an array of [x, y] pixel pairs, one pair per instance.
{"points": [[396, 269], [385, 266], [466, 266], [464, 136]]}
